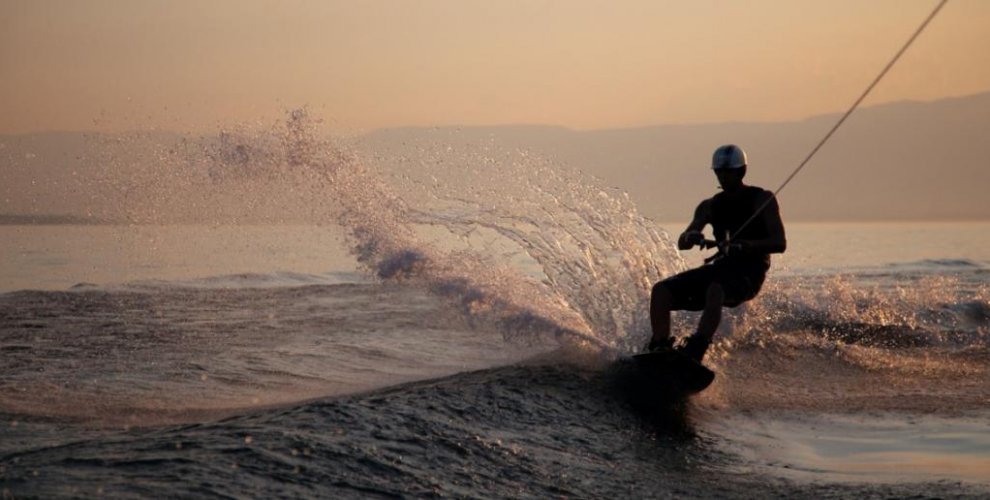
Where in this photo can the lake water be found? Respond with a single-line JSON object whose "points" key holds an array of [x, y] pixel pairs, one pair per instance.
{"points": [[266, 360], [58, 257]]}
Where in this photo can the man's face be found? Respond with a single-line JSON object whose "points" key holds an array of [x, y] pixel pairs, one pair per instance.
{"points": [[729, 178]]}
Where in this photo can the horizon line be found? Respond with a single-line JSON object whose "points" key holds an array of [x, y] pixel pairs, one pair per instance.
{"points": [[369, 131]]}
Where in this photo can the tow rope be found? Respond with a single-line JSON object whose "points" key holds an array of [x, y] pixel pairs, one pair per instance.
{"points": [[846, 115]]}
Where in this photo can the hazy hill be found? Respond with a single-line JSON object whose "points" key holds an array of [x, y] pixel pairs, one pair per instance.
{"points": [[72, 177], [907, 160]]}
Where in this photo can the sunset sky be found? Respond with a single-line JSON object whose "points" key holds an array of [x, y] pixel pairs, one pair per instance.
{"points": [[194, 65]]}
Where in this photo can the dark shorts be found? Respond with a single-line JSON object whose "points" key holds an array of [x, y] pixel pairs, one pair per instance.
{"points": [[689, 288]]}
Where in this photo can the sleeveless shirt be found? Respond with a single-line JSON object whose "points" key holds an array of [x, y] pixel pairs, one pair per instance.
{"points": [[729, 212]]}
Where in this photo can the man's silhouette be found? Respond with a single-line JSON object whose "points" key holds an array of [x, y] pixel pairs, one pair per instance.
{"points": [[736, 273]]}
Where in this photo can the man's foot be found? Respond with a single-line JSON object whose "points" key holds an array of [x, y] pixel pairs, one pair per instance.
{"points": [[695, 347], [656, 345]]}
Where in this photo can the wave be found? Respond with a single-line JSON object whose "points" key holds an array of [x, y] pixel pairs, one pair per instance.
{"points": [[940, 264], [224, 350], [241, 280], [943, 310], [516, 241], [519, 431]]}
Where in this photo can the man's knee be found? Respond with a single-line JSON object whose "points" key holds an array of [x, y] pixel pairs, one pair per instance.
{"points": [[661, 296], [715, 294]]}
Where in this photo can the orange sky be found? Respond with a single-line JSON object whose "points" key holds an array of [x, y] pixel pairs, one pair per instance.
{"points": [[193, 65]]}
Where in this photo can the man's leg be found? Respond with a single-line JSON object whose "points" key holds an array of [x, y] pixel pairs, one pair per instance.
{"points": [[660, 305], [698, 343], [712, 315]]}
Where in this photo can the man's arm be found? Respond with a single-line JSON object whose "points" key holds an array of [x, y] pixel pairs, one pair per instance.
{"points": [[776, 241], [692, 235]]}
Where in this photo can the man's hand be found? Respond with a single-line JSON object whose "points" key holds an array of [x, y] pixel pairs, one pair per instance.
{"points": [[691, 239], [736, 246]]}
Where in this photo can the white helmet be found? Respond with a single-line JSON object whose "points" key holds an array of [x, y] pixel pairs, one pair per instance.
{"points": [[728, 156]]}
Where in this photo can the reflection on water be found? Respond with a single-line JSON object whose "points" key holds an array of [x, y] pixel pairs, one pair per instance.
{"points": [[865, 448], [58, 257]]}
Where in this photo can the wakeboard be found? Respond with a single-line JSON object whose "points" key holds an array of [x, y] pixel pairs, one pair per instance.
{"points": [[674, 372]]}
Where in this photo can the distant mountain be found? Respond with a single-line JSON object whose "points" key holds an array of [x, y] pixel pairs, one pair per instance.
{"points": [[71, 177], [899, 161], [905, 160]]}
